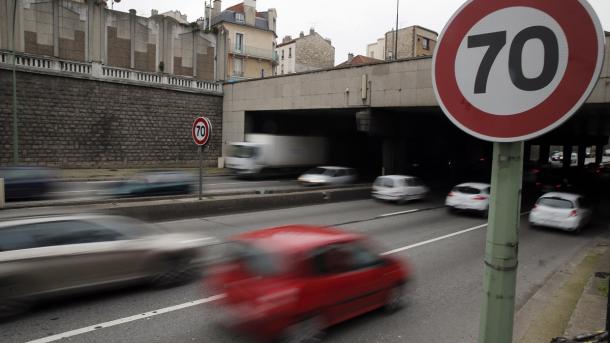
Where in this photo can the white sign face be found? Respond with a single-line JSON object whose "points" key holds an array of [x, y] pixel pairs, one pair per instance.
{"points": [[545, 52], [201, 130], [512, 70]]}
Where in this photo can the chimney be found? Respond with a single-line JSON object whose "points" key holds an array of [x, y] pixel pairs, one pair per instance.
{"points": [[350, 57], [250, 12], [287, 39], [154, 12], [271, 19], [312, 31], [302, 34], [216, 8]]}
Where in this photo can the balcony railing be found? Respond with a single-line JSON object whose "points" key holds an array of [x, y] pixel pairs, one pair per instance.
{"points": [[252, 51], [104, 72]]}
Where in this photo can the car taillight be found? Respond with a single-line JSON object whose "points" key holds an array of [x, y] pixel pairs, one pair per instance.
{"points": [[479, 197], [557, 186], [450, 194], [574, 213]]}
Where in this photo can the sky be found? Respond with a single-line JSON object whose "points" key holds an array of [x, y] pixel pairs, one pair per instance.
{"points": [[350, 24]]}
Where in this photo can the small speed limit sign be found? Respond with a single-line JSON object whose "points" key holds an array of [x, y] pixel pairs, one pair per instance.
{"points": [[202, 130], [512, 70]]}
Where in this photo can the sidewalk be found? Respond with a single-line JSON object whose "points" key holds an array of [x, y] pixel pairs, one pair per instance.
{"points": [[572, 302]]}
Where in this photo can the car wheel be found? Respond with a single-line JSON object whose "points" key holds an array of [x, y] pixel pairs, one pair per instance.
{"points": [[308, 330], [173, 271], [394, 300]]}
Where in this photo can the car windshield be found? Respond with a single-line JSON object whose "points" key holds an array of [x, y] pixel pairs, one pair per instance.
{"points": [[242, 151], [321, 171], [556, 203], [255, 260], [467, 190], [129, 227], [384, 182]]}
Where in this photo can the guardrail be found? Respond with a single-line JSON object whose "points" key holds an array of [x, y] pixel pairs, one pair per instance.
{"points": [[105, 72]]}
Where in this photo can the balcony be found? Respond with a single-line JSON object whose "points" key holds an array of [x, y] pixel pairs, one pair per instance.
{"points": [[253, 52]]}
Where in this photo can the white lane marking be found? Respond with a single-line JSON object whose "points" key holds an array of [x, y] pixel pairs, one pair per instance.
{"points": [[241, 183], [433, 240], [126, 320], [396, 213], [220, 296]]}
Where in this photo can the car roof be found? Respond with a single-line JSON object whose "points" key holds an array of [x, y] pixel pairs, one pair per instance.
{"points": [[394, 177], [478, 185], [334, 167], [296, 238], [561, 195]]}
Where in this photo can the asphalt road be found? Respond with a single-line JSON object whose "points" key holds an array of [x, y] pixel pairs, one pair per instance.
{"points": [[445, 250]]}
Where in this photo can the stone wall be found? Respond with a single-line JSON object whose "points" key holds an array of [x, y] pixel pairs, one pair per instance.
{"points": [[409, 42], [74, 122], [313, 52]]}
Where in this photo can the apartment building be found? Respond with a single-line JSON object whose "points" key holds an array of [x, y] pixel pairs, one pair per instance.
{"points": [[413, 41], [304, 53], [246, 40], [377, 49]]}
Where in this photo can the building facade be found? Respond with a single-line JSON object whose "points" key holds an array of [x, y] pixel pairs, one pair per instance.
{"points": [[413, 41], [377, 49], [305, 53], [246, 41], [87, 31]]}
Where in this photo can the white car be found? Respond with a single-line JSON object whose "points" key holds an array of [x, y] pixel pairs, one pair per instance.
{"points": [[399, 188], [565, 211], [471, 196], [328, 176]]}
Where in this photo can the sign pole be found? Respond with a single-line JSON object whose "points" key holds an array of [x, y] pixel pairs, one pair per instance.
{"points": [[200, 150], [502, 244]]}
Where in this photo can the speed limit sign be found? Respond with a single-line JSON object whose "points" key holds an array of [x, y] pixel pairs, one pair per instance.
{"points": [[201, 130], [512, 70]]}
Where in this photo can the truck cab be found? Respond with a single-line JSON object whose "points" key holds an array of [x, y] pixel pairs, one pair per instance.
{"points": [[244, 158]]}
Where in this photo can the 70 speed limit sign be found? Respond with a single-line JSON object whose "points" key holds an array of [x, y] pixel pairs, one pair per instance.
{"points": [[512, 70]]}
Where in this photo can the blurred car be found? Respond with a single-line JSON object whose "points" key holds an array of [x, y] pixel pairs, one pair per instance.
{"points": [[154, 184], [399, 188], [292, 282], [46, 256], [565, 211], [24, 183], [470, 196], [328, 176]]}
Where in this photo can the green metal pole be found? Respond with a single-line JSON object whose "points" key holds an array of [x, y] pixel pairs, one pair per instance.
{"points": [[501, 247], [15, 123]]}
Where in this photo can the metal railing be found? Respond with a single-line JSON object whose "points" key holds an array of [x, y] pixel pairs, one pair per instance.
{"points": [[104, 72], [252, 51]]}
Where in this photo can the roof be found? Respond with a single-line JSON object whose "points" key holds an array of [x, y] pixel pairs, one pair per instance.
{"points": [[561, 195], [360, 60], [296, 238], [228, 15], [478, 185]]}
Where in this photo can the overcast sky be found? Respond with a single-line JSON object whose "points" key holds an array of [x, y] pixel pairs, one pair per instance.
{"points": [[350, 24]]}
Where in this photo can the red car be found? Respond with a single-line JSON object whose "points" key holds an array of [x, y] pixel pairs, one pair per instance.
{"points": [[290, 283]]}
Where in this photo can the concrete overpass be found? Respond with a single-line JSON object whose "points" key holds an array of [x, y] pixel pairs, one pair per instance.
{"points": [[393, 101]]}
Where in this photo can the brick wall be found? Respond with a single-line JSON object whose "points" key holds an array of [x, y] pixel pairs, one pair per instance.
{"points": [[119, 49], [32, 47], [205, 65], [70, 122], [73, 49]]}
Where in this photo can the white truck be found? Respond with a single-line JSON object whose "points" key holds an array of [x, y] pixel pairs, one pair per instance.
{"points": [[264, 152]]}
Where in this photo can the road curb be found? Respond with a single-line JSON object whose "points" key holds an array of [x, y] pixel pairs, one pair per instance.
{"points": [[168, 209]]}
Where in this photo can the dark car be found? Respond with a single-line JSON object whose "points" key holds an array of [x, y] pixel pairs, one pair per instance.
{"points": [[154, 184], [292, 282], [27, 183]]}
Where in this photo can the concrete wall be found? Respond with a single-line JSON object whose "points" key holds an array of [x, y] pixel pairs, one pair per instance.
{"points": [[75, 122], [85, 30]]}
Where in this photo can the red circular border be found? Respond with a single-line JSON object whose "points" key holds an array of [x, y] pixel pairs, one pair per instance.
{"points": [[582, 37], [206, 138]]}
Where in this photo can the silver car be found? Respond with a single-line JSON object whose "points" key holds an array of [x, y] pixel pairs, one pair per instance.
{"points": [[47, 256]]}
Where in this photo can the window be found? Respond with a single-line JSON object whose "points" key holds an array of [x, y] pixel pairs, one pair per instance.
{"points": [[289, 52], [425, 43], [239, 17], [239, 42], [283, 53], [341, 258], [282, 71], [238, 66]]}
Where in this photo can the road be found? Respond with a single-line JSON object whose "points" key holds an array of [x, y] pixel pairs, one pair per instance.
{"points": [[445, 250]]}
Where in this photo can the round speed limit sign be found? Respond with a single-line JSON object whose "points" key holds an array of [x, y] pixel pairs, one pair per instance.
{"points": [[202, 130], [512, 70]]}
